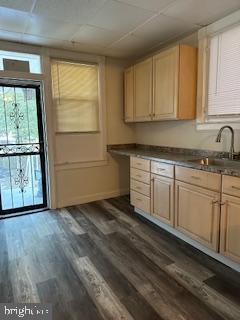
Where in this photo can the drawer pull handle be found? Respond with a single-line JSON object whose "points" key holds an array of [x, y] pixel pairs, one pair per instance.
{"points": [[236, 188], [138, 199], [215, 202], [196, 178], [160, 169], [138, 188], [139, 176], [139, 164]]}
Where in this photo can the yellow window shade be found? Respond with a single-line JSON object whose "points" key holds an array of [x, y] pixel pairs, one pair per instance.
{"points": [[76, 96]]}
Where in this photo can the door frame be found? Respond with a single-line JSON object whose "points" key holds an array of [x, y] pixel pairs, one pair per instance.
{"points": [[41, 118]]}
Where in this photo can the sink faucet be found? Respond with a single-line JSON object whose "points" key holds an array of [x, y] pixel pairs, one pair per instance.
{"points": [[219, 136]]}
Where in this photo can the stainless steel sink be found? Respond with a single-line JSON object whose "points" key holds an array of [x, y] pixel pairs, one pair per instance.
{"points": [[216, 162]]}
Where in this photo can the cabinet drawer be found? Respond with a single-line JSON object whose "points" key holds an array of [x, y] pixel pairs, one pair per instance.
{"points": [[140, 187], [162, 169], [140, 175], [200, 178], [139, 163], [231, 185], [140, 201]]}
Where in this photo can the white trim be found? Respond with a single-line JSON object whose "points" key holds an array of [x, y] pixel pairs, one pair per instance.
{"points": [[187, 239], [93, 197], [204, 36]]}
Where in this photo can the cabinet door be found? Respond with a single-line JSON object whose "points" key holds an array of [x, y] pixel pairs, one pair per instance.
{"points": [[165, 84], [143, 90], [197, 213], [128, 94], [162, 198], [230, 228]]}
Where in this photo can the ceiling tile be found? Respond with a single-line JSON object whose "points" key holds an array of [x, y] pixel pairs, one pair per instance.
{"points": [[131, 43], [114, 52], [154, 5], [63, 44], [120, 17], [161, 28], [22, 5], [93, 35], [76, 11], [13, 20], [201, 12], [40, 26]]}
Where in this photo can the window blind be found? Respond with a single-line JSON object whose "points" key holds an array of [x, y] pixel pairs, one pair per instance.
{"points": [[224, 74], [75, 95]]}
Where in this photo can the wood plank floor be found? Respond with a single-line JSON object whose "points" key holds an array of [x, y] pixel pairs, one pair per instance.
{"points": [[102, 261]]}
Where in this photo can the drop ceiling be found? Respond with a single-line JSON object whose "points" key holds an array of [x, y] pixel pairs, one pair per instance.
{"points": [[123, 28]]}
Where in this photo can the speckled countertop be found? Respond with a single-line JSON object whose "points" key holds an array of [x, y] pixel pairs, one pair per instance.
{"points": [[178, 156]]}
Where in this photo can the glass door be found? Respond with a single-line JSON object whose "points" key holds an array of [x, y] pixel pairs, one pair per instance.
{"points": [[22, 152]]}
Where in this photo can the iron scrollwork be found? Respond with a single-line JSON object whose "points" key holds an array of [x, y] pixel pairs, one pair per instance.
{"points": [[22, 149], [16, 115], [21, 180]]}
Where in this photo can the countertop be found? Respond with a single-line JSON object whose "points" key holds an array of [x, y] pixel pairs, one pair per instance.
{"points": [[178, 156]]}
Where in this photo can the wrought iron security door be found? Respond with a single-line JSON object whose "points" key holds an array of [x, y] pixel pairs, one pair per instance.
{"points": [[22, 155]]}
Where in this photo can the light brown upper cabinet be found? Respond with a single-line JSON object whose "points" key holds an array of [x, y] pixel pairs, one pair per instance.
{"points": [[128, 94], [174, 83], [164, 86], [143, 90]]}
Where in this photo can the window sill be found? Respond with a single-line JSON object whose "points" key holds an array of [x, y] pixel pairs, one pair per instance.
{"points": [[80, 165]]}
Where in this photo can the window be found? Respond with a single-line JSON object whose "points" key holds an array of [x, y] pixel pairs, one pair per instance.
{"points": [[223, 98], [33, 60], [76, 96]]}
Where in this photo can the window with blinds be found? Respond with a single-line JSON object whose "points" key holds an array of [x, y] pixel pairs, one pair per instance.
{"points": [[224, 74], [76, 96]]}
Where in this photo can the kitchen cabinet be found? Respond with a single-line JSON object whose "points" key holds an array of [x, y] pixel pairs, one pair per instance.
{"points": [[174, 83], [163, 87], [128, 95], [162, 198], [205, 206], [230, 218], [197, 213], [230, 228], [143, 91], [140, 184]]}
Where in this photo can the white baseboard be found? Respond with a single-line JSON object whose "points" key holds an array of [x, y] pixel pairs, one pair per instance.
{"points": [[93, 197], [187, 239]]}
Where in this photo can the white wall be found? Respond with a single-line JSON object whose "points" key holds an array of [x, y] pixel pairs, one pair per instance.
{"points": [[182, 134]]}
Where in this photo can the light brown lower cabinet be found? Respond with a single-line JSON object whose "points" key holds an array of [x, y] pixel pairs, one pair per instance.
{"points": [[230, 228], [197, 213], [162, 198]]}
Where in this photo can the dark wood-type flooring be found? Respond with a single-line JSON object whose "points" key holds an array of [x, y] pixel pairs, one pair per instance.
{"points": [[102, 261]]}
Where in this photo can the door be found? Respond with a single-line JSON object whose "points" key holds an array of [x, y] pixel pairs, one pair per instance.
{"points": [[128, 94], [197, 213], [143, 90], [22, 154], [162, 198], [230, 228], [165, 84]]}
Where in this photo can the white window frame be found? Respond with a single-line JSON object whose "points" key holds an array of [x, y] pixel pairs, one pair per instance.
{"points": [[205, 122]]}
